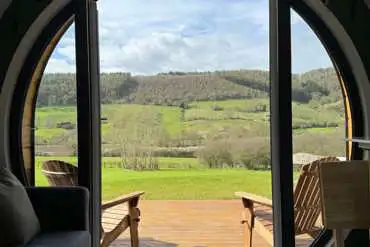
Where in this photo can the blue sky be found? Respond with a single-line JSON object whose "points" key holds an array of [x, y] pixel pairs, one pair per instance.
{"points": [[152, 36]]}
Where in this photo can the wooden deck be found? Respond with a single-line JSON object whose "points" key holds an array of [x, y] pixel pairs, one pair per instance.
{"points": [[192, 224]]}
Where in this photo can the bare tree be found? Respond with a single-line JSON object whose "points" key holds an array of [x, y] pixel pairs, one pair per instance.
{"points": [[137, 139]]}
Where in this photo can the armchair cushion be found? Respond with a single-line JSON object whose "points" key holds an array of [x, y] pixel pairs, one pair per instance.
{"points": [[17, 216], [62, 239], [61, 208]]}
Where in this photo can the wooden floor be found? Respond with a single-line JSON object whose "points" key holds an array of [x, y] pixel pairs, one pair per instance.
{"points": [[192, 224]]}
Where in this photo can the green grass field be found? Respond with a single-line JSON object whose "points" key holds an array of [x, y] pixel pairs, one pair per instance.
{"points": [[186, 184], [196, 183]]}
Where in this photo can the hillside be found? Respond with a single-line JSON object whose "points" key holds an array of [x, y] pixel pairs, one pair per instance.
{"points": [[232, 129], [221, 118], [175, 88]]}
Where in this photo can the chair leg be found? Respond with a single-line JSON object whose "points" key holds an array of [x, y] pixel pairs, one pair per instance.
{"points": [[134, 214], [339, 238], [109, 237], [314, 234], [248, 221]]}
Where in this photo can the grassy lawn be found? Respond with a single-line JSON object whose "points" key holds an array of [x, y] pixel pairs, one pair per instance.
{"points": [[186, 184]]}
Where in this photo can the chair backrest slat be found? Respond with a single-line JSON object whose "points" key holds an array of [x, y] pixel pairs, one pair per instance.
{"points": [[60, 173], [307, 206]]}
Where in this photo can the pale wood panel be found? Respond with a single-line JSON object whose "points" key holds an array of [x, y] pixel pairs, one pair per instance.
{"points": [[345, 194], [349, 128]]}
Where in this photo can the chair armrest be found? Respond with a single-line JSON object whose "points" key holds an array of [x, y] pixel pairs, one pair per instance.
{"points": [[61, 208], [122, 199], [254, 198]]}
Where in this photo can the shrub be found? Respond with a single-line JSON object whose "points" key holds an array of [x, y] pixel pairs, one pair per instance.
{"points": [[66, 125], [259, 108], [253, 153], [331, 143], [308, 125], [217, 108], [184, 106], [179, 152], [250, 153], [216, 154]]}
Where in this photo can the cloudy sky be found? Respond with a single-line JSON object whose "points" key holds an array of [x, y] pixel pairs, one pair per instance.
{"points": [[152, 36]]}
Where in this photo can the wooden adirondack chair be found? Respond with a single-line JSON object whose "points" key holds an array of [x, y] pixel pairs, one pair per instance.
{"points": [[307, 207], [115, 219]]}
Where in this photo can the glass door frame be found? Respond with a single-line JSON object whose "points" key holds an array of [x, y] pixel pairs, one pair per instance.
{"points": [[281, 123], [88, 109]]}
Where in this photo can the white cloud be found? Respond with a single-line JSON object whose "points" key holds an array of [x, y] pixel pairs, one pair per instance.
{"points": [[59, 66], [153, 36], [178, 35]]}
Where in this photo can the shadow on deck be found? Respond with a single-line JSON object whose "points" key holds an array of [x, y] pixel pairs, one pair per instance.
{"points": [[144, 242], [192, 224]]}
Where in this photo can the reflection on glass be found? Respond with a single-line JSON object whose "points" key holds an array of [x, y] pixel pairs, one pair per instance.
{"points": [[56, 117], [318, 124]]}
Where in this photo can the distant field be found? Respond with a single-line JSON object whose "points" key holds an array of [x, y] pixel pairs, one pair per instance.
{"points": [[200, 118]]}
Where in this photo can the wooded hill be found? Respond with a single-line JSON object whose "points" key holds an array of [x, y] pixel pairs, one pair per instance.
{"points": [[177, 88]]}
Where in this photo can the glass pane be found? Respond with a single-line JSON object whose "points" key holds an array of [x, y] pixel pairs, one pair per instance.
{"points": [[55, 119], [186, 114], [318, 118]]}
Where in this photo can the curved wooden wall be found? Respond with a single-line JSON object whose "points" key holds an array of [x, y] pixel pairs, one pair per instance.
{"points": [[28, 120]]}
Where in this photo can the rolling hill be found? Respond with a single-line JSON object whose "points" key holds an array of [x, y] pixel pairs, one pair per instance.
{"points": [[220, 117]]}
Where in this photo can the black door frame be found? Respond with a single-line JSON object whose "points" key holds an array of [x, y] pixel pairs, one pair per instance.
{"points": [[88, 101], [281, 134], [281, 123], [88, 109]]}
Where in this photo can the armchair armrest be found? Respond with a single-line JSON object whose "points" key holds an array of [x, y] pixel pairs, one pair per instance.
{"points": [[254, 198], [122, 199], [60, 208]]}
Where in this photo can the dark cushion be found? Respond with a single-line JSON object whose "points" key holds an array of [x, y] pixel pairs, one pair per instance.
{"points": [[61, 208], [18, 220], [62, 239]]}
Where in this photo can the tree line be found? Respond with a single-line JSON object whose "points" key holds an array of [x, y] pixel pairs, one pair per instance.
{"points": [[177, 88]]}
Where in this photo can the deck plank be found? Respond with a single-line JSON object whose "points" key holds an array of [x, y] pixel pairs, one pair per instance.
{"points": [[192, 224]]}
